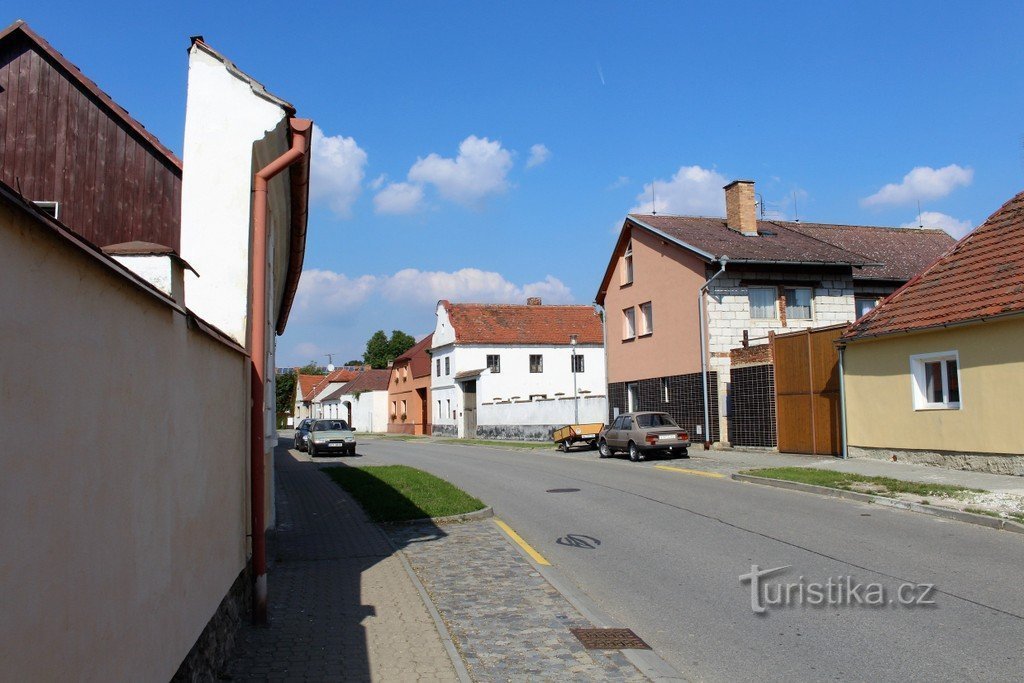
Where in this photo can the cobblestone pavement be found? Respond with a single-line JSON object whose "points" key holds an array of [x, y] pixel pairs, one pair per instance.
{"points": [[342, 606], [508, 622]]}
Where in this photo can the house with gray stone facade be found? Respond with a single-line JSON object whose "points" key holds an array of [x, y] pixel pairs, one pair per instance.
{"points": [[681, 292]]}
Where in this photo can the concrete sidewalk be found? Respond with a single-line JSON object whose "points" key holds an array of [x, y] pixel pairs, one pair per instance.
{"points": [[342, 605]]}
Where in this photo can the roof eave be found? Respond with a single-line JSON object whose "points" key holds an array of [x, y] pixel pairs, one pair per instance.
{"points": [[931, 328]]}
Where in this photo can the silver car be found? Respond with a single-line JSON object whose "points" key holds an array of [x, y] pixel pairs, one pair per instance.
{"points": [[641, 433], [331, 436]]}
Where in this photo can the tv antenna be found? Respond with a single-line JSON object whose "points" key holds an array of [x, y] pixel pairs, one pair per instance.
{"points": [[654, 200], [330, 361], [796, 211], [760, 203], [920, 223]]}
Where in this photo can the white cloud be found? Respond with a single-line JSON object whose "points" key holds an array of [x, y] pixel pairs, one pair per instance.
{"points": [[934, 219], [379, 181], [922, 183], [323, 292], [539, 153], [336, 171], [479, 170], [399, 198], [621, 181], [691, 191]]}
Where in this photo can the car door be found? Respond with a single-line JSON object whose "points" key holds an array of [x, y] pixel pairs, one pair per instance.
{"points": [[616, 438]]}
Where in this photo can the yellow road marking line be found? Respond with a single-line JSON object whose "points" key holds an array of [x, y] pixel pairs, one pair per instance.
{"points": [[699, 473], [537, 557]]}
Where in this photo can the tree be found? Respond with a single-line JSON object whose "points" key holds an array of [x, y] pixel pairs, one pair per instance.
{"points": [[381, 350], [312, 368], [354, 363], [285, 383]]}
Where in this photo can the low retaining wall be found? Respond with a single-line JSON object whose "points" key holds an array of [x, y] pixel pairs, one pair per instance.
{"points": [[993, 463], [206, 660], [517, 432], [445, 430]]}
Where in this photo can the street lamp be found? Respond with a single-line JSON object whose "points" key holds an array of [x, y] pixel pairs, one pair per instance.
{"points": [[573, 340]]}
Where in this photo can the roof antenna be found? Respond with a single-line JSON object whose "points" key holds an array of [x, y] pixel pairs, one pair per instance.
{"points": [[654, 201], [796, 210], [920, 223], [760, 203]]}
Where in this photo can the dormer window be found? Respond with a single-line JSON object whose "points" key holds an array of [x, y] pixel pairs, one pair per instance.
{"points": [[51, 208], [627, 264]]}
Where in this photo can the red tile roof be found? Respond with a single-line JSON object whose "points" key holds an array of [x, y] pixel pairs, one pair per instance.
{"points": [[516, 324], [306, 385], [980, 278], [902, 252], [368, 380], [338, 376]]}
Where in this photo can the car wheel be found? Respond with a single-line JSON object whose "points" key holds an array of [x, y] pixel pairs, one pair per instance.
{"points": [[311, 449], [634, 453], [604, 450]]}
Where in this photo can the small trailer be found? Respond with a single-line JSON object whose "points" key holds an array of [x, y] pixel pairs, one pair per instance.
{"points": [[571, 435]]}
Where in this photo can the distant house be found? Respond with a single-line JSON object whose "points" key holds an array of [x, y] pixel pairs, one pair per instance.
{"points": [[510, 371], [409, 390], [760, 276], [934, 373], [163, 535], [304, 385], [333, 380], [363, 402]]}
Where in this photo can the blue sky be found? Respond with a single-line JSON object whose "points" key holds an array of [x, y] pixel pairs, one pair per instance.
{"points": [[488, 151]]}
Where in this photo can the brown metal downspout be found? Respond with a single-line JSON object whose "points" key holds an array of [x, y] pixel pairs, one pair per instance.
{"points": [[300, 130]]}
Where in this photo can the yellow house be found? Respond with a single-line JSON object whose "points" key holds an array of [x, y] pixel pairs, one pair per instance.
{"points": [[935, 373]]}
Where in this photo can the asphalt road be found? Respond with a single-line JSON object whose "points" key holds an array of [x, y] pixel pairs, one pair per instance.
{"points": [[673, 545]]}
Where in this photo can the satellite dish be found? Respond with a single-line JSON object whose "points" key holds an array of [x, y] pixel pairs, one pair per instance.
{"points": [[330, 367]]}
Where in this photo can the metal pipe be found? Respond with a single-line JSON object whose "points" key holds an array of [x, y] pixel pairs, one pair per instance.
{"points": [[300, 132], [703, 350], [842, 404]]}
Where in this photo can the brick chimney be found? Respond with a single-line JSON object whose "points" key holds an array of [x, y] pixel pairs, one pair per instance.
{"points": [[533, 301], [741, 207]]}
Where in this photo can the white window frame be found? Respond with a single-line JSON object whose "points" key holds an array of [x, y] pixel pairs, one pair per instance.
{"points": [[577, 365], [858, 299], [495, 367], [775, 303], [646, 318], [919, 381], [810, 303], [664, 390], [627, 265], [632, 388], [447, 365], [629, 323], [539, 365]]}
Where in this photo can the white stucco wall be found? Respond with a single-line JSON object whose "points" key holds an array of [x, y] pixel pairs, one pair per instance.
{"points": [[154, 269], [369, 410], [544, 411]]}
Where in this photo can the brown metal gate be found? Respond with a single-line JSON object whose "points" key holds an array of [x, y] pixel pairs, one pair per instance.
{"points": [[807, 391]]}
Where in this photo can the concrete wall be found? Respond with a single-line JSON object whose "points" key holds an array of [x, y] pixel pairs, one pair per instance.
{"points": [[537, 419], [123, 499], [669, 278], [879, 400]]}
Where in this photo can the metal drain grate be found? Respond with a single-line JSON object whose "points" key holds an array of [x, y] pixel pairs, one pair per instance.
{"points": [[561, 490], [609, 639]]}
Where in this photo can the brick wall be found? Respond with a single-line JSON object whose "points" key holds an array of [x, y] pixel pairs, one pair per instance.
{"points": [[685, 404], [750, 355]]}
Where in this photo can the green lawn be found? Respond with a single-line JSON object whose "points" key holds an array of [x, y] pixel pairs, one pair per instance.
{"points": [[393, 493], [499, 444], [880, 486]]}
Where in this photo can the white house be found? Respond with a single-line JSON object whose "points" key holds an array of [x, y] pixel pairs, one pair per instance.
{"points": [[516, 372], [363, 401]]}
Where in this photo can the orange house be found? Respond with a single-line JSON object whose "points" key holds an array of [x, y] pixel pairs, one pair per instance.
{"points": [[409, 391]]}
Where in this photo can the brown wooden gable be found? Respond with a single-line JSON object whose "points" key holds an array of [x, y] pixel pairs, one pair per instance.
{"points": [[63, 139]]}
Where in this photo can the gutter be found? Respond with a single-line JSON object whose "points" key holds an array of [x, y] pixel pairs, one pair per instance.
{"points": [[301, 130], [703, 349], [842, 402]]}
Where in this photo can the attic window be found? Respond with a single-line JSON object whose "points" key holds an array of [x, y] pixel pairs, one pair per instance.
{"points": [[52, 209], [627, 265]]}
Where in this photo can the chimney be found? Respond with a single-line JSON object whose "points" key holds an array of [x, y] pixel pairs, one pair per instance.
{"points": [[740, 207], [533, 301]]}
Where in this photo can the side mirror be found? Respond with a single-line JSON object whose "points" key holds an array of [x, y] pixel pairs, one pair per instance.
{"points": [[353, 429]]}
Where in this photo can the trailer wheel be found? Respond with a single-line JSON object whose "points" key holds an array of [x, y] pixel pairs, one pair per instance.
{"points": [[566, 445]]}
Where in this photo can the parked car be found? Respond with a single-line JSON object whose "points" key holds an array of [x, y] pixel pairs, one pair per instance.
{"points": [[302, 434], [641, 433], [331, 436]]}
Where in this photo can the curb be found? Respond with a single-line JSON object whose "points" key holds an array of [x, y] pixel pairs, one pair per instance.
{"points": [[442, 630], [935, 511], [647, 662], [482, 513]]}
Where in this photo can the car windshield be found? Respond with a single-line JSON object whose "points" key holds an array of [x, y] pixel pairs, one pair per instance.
{"points": [[655, 420], [330, 426]]}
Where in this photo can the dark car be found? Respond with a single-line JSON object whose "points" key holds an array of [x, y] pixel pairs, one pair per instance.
{"points": [[641, 433], [302, 434]]}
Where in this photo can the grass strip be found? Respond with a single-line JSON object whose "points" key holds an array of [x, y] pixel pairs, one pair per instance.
{"points": [[528, 445], [395, 493], [846, 481]]}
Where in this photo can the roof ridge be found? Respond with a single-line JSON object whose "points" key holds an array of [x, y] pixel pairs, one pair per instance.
{"points": [[867, 260]]}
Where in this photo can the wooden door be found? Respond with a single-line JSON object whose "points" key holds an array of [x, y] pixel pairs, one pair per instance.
{"points": [[807, 391]]}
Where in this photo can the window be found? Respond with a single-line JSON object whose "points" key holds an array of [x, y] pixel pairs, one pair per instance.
{"points": [[798, 303], [447, 365], [762, 303], [646, 318], [628, 323], [494, 363], [536, 363], [864, 305], [664, 389], [405, 410], [450, 411], [51, 208], [936, 378], [577, 363], [655, 420], [632, 397], [627, 265], [438, 416], [394, 408], [438, 367]]}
